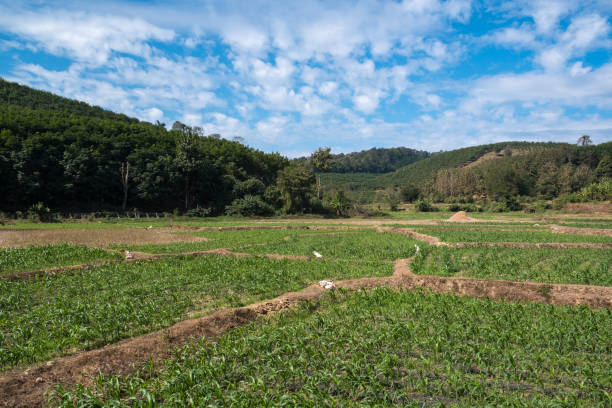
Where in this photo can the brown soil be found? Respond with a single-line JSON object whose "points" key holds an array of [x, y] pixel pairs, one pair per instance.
{"points": [[416, 235], [97, 238], [461, 216], [27, 388], [607, 232]]}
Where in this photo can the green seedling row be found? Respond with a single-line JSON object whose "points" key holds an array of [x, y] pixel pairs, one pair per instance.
{"points": [[585, 266], [52, 315], [47, 256], [226, 239], [383, 349], [510, 236], [367, 245]]}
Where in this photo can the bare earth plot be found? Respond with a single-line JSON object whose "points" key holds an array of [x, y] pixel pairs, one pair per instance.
{"points": [[440, 267]]}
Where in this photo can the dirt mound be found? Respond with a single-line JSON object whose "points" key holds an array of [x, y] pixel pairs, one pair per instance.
{"points": [[461, 216]]}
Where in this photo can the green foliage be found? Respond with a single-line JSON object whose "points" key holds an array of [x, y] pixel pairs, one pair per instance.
{"points": [[68, 154], [597, 191], [249, 205], [251, 186], [322, 159], [409, 193], [295, 183], [424, 205], [583, 266], [384, 348], [39, 212], [89, 308], [48, 256], [199, 212], [375, 160], [340, 204]]}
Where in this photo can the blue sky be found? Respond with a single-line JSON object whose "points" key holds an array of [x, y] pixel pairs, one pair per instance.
{"points": [[290, 76]]}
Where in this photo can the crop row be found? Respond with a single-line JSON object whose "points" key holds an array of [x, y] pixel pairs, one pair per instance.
{"points": [[366, 245], [46, 256], [384, 348], [50, 315], [510, 236], [231, 239], [587, 266]]}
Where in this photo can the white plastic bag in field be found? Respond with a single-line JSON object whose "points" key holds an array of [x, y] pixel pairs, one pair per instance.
{"points": [[328, 285], [318, 255], [417, 248], [129, 255]]}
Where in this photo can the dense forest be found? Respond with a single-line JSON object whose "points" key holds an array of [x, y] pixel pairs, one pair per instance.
{"points": [[375, 160], [75, 157]]}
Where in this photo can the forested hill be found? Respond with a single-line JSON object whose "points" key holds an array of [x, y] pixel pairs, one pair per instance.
{"points": [[68, 155], [375, 160], [13, 94], [421, 171]]}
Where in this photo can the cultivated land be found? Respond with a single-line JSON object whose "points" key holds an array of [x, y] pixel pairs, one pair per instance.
{"points": [[505, 310]]}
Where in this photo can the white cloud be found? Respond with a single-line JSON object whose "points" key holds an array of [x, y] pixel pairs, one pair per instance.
{"points": [[87, 37]]}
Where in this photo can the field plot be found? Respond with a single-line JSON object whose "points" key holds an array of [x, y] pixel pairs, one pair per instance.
{"points": [[477, 235], [586, 266], [229, 239], [384, 348], [54, 315], [46, 256], [364, 245]]}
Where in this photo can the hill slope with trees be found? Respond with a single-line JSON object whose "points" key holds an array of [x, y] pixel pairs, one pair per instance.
{"points": [[70, 156]]}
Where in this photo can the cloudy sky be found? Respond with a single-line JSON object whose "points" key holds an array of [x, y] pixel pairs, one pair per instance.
{"points": [[290, 76]]}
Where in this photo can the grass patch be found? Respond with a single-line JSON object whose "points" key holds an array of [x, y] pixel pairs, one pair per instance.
{"points": [[48, 256], [586, 266], [384, 348], [48, 316]]}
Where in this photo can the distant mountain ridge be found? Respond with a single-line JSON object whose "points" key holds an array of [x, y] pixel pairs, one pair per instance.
{"points": [[374, 160]]}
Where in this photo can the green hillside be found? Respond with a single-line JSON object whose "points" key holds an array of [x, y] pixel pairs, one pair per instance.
{"points": [[420, 171], [68, 155], [375, 160]]}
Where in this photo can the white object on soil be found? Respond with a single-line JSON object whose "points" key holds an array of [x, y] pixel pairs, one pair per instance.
{"points": [[318, 255], [327, 284], [129, 255]]}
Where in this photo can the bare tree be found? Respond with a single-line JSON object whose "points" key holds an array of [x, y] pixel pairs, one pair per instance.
{"points": [[125, 175]]}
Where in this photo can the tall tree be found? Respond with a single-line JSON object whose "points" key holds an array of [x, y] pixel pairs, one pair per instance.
{"points": [[295, 183], [585, 140], [322, 161], [187, 160], [125, 176]]}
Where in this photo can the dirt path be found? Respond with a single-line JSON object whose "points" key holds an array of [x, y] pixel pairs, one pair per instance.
{"points": [[27, 388]]}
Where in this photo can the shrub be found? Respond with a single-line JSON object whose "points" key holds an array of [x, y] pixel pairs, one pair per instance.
{"points": [[39, 212], [199, 212], [424, 206], [249, 205], [597, 191]]}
